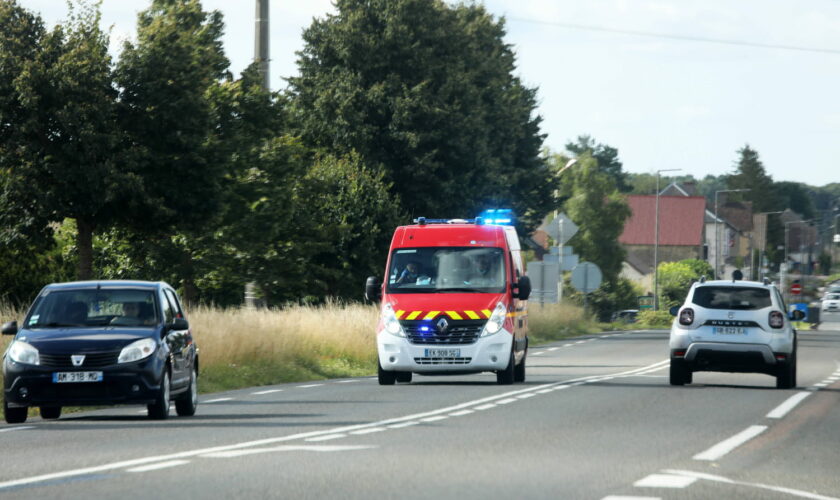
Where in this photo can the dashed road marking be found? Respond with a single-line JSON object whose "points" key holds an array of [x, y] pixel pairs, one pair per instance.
{"points": [[159, 465], [721, 479], [553, 348], [434, 419], [403, 424], [628, 497], [307, 386], [24, 427], [217, 400], [719, 450], [485, 407], [346, 381], [664, 481], [506, 401], [367, 431], [461, 413], [328, 437], [526, 396], [789, 404], [316, 448], [269, 391], [537, 353]]}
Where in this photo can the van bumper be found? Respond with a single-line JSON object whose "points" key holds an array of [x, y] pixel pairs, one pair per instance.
{"points": [[486, 354]]}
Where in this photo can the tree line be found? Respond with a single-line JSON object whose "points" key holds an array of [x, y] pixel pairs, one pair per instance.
{"points": [[163, 165]]}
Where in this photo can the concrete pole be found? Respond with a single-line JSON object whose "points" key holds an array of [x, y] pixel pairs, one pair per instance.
{"points": [[261, 41]]}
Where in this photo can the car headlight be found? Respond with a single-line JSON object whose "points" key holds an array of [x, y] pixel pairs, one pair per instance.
{"points": [[496, 321], [21, 352], [390, 321], [137, 350]]}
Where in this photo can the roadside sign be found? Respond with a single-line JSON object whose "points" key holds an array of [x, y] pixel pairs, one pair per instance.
{"points": [[586, 277], [800, 306], [646, 302], [561, 228], [795, 288], [544, 277]]}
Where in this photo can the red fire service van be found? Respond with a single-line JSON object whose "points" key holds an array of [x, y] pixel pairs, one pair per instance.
{"points": [[453, 301]]}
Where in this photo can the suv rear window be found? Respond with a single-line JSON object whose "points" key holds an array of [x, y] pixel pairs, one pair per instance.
{"points": [[732, 297]]}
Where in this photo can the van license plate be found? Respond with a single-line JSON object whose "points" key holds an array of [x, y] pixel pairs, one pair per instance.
{"points": [[730, 330], [75, 377], [443, 353]]}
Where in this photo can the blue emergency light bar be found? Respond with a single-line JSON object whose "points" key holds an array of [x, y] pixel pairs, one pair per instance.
{"points": [[497, 216]]}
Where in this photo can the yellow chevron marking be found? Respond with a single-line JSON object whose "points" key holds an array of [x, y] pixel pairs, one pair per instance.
{"points": [[454, 315], [399, 314], [413, 315], [486, 313], [472, 314], [431, 315]]}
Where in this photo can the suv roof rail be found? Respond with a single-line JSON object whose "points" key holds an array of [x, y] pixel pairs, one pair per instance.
{"points": [[703, 279]]}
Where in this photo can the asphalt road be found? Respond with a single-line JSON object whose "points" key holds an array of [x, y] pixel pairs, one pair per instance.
{"points": [[596, 419]]}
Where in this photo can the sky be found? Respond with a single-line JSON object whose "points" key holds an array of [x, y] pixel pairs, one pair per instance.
{"points": [[630, 73]]}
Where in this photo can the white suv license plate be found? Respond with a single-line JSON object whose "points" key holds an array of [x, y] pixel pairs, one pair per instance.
{"points": [[443, 353], [76, 377], [730, 330]]}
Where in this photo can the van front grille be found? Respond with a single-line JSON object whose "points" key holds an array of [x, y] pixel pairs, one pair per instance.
{"points": [[456, 332], [442, 361]]}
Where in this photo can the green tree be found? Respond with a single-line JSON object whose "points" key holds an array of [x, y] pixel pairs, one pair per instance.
{"points": [[65, 159], [797, 197], [750, 174], [607, 157], [427, 92], [675, 279]]}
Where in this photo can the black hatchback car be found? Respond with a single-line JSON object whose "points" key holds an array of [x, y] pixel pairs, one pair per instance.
{"points": [[101, 343]]}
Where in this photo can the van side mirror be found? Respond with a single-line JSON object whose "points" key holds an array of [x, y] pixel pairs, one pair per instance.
{"points": [[373, 289], [10, 328], [795, 315], [179, 324], [674, 310], [524, 288]]}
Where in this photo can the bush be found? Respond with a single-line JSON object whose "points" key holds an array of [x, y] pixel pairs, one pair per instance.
{"points": [[655, 319]]}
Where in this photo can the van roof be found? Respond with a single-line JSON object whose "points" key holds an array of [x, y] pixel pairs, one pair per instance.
{"points": [[446, 235]]}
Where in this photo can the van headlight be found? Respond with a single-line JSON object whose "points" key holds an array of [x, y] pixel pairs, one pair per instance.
{"points": [[22, 352], [390, 321], [137, 350], [496, 321]]}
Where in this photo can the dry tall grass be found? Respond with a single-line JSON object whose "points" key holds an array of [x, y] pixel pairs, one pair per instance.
{"points": [[549, 322]]}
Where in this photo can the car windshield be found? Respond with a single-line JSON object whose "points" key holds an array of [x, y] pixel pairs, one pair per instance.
{"points": [[93, 308], [447, 269], [835, 296], [730, 297]]}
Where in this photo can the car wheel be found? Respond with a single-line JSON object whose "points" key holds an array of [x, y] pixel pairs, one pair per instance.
{"points": [[385, 377], [679, 374], [50, 412], [187, 403], [404, 377], [14, 415], [505, 377], [159, 410], [519, 370]]}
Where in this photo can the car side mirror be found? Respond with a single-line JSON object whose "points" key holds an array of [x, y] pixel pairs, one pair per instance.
{"points": [[373, 289], [524, 288], [796, 315], [674, 310], [179, 324], [10, 328]]}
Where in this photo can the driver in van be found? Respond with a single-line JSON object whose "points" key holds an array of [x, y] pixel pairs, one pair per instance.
{"points": [[409, 274]]}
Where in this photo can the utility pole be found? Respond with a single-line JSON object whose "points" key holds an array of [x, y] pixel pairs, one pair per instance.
{"points": [[261, 41], [656, 242]]}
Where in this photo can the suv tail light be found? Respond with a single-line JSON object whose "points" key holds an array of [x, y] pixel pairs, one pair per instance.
{"points": [[777, 319], [687, 316]]}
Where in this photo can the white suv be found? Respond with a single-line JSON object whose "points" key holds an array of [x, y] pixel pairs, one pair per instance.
{"points": [[733, 326]]}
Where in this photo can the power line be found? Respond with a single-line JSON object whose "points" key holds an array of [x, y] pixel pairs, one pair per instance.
{"points": [[684, 38]]}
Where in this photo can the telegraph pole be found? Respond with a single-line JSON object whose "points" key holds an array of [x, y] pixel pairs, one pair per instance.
{"points": [[261, 41]]}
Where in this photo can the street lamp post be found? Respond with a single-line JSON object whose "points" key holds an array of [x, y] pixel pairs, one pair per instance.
{"points": [[656, 242], [717, 231], [764, 242]]}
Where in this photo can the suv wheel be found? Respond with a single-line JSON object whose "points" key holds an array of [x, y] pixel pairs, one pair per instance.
{"points": [[159, 410], [14, 415], [385, 377], [679, 374], [786, 377], [187, 403], [50, 412]]}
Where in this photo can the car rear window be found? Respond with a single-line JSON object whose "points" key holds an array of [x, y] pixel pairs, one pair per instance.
{"points": [[731, 297]]}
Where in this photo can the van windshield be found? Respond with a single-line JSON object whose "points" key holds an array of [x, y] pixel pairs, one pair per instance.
{"points": [[92, 308], [731, 297], [447, 269]]}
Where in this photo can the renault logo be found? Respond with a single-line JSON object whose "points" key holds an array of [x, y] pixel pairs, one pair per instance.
{"points": [[731, 315], [77, 359], [442, 324]]}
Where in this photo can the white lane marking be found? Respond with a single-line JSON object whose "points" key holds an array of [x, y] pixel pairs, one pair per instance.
{"points": [[403, 424], [821, 384], [346, 381], [727, 445], [537, 353], [270, 391], [328, 437], [664, 481], [367, 431], [217, 400], [292, 437], [627, 497], [721, 479], [434, 419], [568, 345], [160, 465], [21, 428], [544, 391], [553, 348], [833, 379], [461, 413], [485, 407], [307, 386], [580, 342], [789, 404], [526, 396], [317, 448], [506, 401]]}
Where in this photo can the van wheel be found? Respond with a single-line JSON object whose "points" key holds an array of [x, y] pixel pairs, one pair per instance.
{"points": [[403, 377], [187, 403], [519, 370], [159, 410], [14, 415], [679, 374], [506, 376], [50, 412], [385, 377]]}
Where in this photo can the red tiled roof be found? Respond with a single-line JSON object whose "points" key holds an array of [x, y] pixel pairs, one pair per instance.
{"points": [[680, 220]]}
